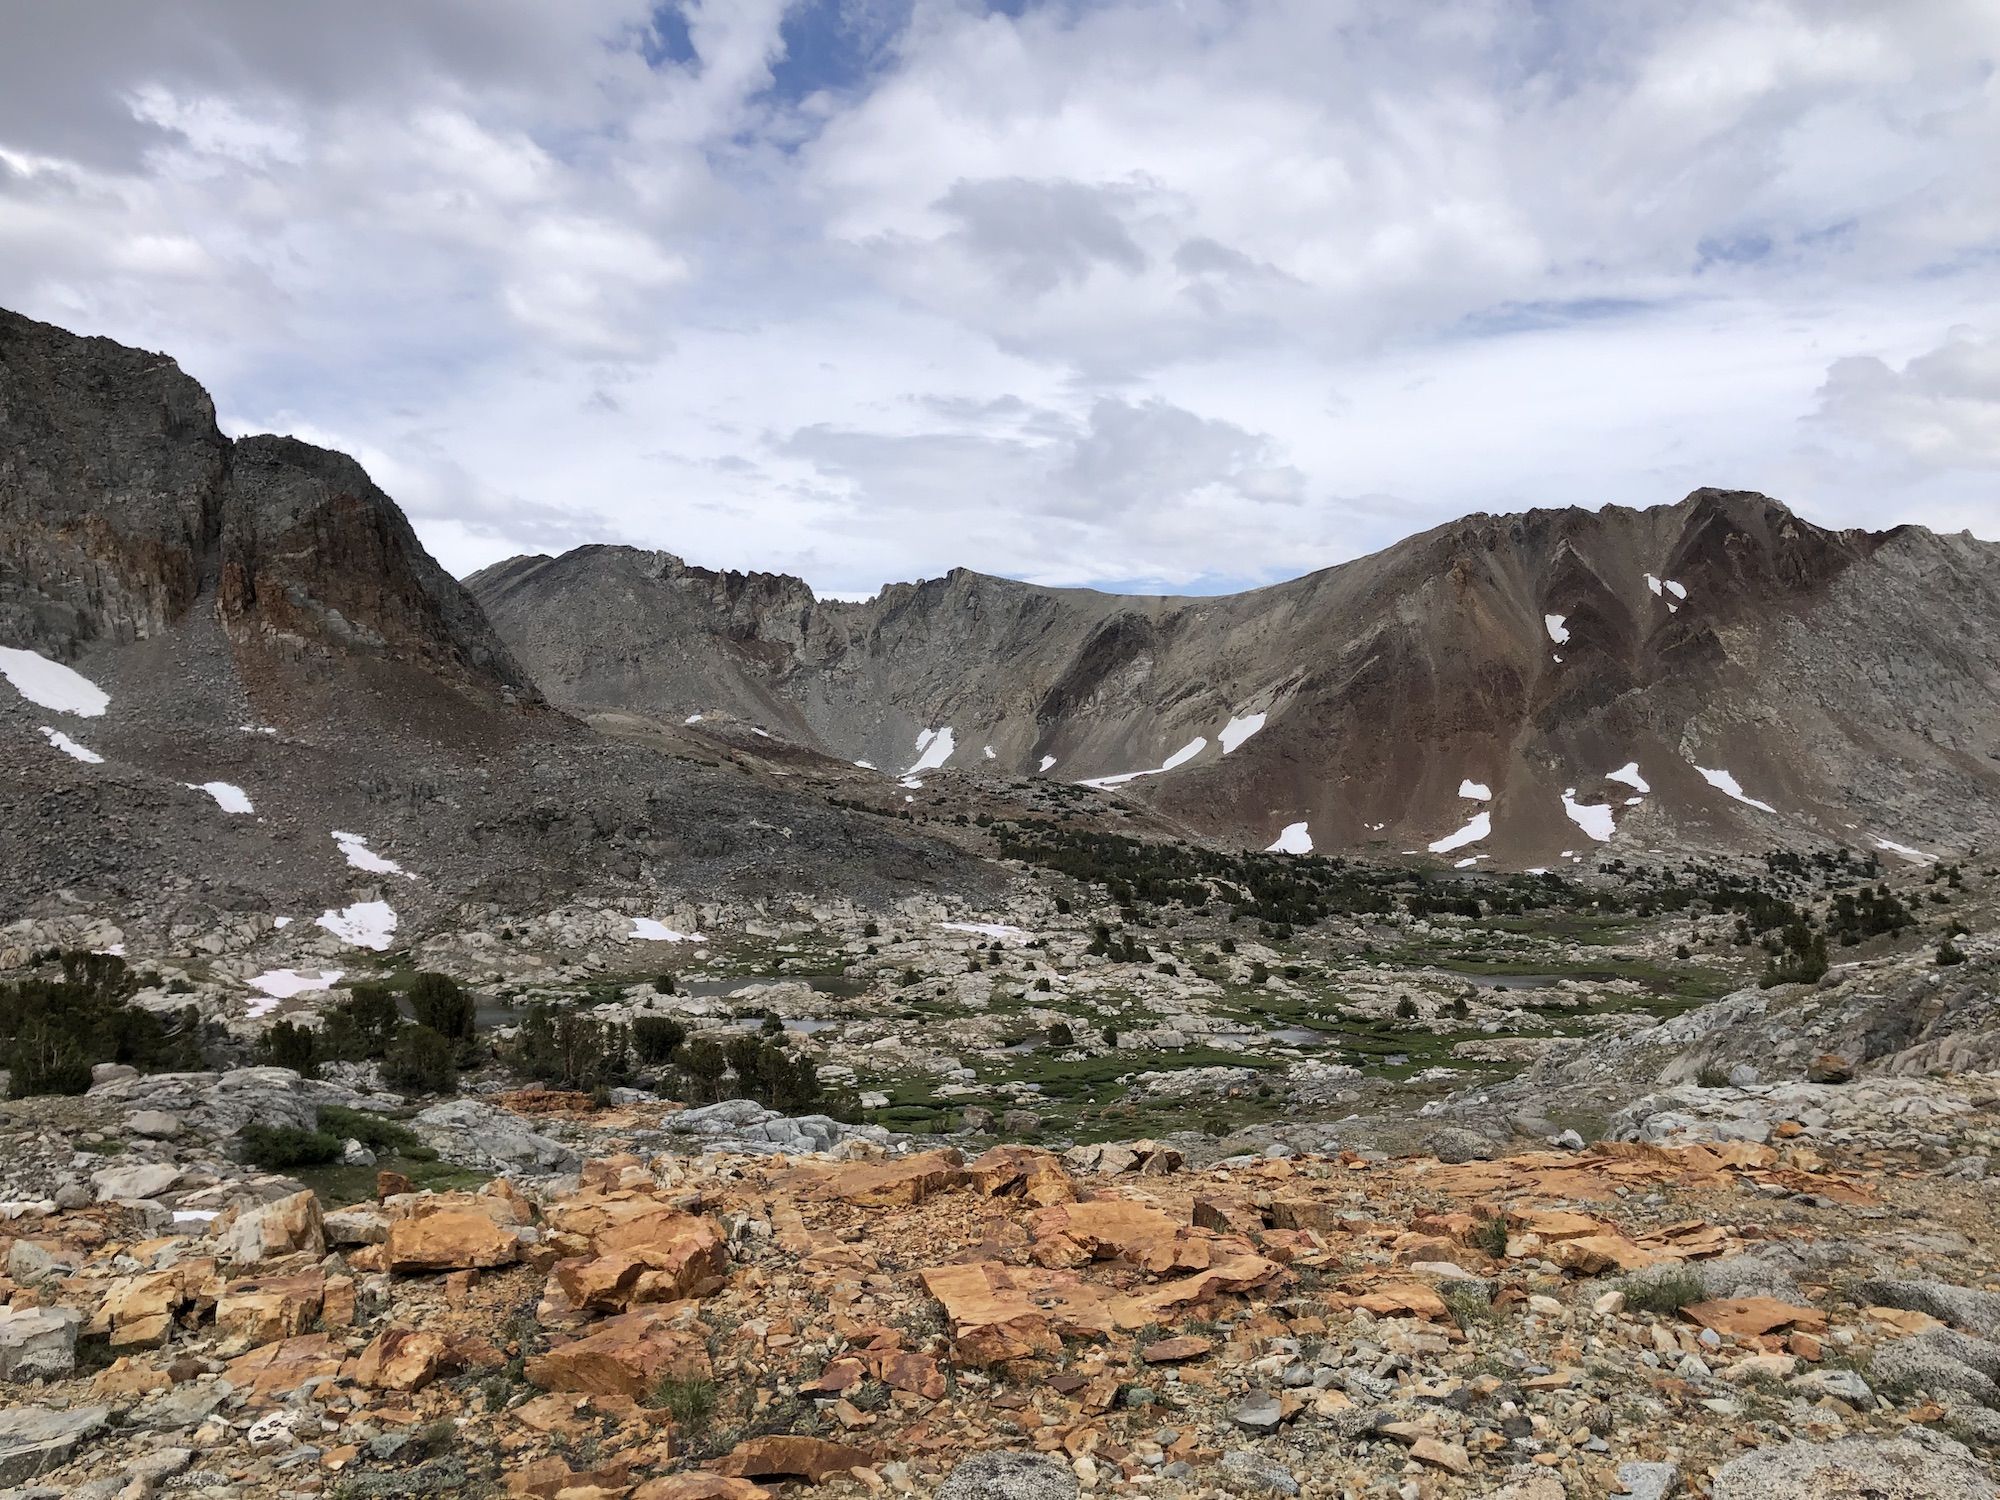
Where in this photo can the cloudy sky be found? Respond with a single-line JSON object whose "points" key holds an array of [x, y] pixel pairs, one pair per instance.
{"points": [[1180, 294]]}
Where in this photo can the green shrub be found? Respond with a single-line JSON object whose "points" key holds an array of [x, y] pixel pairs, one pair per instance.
{"points": [[437, 1002], [1663, 1292], [376, 1132], [279, 1148], [420, 1061], [570, 1051], [289, 1045], [361, 1027], [654, 1038], [688, 1399], [53, 1030]]}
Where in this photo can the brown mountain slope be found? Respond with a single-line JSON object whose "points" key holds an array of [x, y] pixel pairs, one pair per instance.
{"points": [[1847, 679], [279, 658]]}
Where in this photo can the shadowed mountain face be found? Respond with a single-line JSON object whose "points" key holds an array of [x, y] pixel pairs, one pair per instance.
{"points": [[1849, 680], [257, 616]]}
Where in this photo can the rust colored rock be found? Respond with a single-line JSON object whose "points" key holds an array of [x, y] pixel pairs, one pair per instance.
{"points": [[699, 1487], [784, 1457], [1176, 1351], [901, 1182], [660, 1255], [1747, 1317], [1591, 1253], [277, 1370], [284, 1226], [266, 1309], [401, 1359], [624, 1356], [451, 1241], [1026, 1172], [390, 1184]]}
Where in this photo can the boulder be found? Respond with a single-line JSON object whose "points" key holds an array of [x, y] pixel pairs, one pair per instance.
{"points": [[284, 1226], [642, 1251], [1891, 1469], [623, 1356], [401, 1359], [1009, 1476], [37, 1343], [782, 1456], [36, 1439], [263, 1310], [487, 1138], [455, 1240], [134, 1181]]}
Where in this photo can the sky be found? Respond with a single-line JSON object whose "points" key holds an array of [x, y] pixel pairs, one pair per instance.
{"points": [[1166, 295]]}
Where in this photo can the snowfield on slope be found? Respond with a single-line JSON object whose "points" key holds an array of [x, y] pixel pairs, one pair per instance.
{"points": [[365, 924], [359, 855], [1237, 730], [1180, 757], [934, 747], [50, 684], [1296, 839], [1629, 774], [1598, 821], [230, 798], [1728, 785], [647, 930], [1480, 827], [71, 748]]}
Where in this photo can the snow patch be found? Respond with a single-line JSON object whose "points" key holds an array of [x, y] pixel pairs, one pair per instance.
{"points": [[281, 921], [282, 984], [1629, 774], [692, 719], [866, 765], [1480, 827], [231, 799], [70, 747], [1469, 861], [762, 734], [1598, 821], [646, 930], [51, 684], [1478, 791], [256, 728], [1047, 761], [934, 747], [912, 783], [1237, 730], [1915, 856], [993, 930], [1296, 839], [1726, 784], [987, 751], [365, 924], [1558, 629], [1180, 757], [359, 855]]}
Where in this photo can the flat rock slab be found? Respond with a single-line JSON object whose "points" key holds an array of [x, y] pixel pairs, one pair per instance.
{"points": [[35, 1439]]}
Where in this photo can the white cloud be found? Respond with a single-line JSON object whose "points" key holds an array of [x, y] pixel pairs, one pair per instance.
{"points": [[1106, 292]]}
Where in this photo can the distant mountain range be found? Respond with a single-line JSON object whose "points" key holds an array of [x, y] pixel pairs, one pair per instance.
{"points": [[217, 654], [1713, 674]]}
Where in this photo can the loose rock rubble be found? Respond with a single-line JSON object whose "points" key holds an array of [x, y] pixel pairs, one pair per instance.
{"points": [[1735, 1318]]}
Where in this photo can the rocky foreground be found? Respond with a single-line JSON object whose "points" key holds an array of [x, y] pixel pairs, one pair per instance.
{"points": [[1814, 1315]]}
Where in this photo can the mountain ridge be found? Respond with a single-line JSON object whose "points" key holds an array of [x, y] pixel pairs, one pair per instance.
{"points": [[1445, 637]]}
